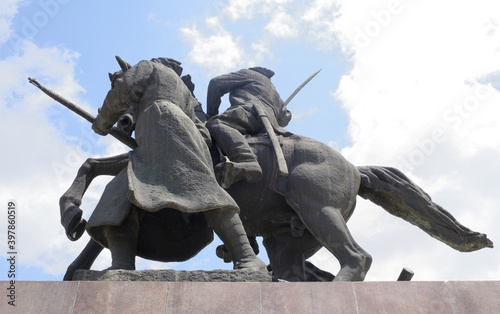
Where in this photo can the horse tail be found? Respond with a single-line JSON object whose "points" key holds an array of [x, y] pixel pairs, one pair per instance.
{"points": [[398, 195]]}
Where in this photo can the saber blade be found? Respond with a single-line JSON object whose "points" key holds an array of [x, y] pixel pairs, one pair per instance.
{"points": [[300, 87]]}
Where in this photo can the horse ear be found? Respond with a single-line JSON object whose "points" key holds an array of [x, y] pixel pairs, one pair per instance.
{"points": [[110, 76], [124, 65]]}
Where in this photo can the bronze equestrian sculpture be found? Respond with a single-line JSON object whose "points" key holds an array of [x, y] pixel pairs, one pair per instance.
{"points": [[295, 214]]}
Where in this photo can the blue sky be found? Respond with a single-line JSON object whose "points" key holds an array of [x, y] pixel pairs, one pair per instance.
{"points": [[407, 84]]}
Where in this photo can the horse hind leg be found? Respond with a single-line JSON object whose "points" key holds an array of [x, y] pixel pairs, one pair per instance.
{"points": [[287, 255], [84, 260], [330, 229]]}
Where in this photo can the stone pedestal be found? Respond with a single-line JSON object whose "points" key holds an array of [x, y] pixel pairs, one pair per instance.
{"points": [[253, 297], [173, 275]]}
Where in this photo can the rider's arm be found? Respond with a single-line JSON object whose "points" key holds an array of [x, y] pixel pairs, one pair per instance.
{"points": [[221, 85]]}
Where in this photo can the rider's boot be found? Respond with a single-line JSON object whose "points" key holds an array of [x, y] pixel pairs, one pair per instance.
{"points": [[229, 172], [242, 164], [122, 242], [227, 225]]}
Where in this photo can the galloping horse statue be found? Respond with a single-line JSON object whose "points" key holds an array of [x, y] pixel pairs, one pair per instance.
{"points": [[296, 214]]}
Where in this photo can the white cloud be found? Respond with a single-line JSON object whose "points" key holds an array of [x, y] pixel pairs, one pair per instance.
{"points": [[8, 9], [297, 115], [39, 160], [218, 51], [261, 51], [282, 25], [319, 19], [242, 9], [247, 9], [419, 97]]}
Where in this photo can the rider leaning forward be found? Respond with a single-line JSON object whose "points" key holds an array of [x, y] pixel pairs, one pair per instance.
{"points": [[246, 88]]}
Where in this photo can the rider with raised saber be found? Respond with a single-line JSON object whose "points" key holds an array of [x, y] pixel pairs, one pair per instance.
{"points": [[255, 105]]}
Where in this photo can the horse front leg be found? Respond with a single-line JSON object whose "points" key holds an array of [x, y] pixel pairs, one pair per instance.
{"points": [[70, 201]]}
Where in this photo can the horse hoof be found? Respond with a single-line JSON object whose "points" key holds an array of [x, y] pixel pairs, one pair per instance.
{"points": [[255, 264]]}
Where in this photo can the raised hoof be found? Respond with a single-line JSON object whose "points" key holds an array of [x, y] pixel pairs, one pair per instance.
{"points": [[73, 223]]}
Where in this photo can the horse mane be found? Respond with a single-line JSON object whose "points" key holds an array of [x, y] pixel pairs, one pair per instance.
{"points": [[171, 63]]}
